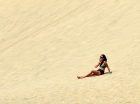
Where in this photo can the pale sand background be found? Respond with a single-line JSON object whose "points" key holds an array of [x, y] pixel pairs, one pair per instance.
{"points": [[44, 45]]}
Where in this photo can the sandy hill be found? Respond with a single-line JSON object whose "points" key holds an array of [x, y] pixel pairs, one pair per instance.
{"points": [[45, 44]]}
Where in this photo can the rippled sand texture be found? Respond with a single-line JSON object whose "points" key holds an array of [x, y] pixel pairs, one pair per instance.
{"points": [[45, 44]]}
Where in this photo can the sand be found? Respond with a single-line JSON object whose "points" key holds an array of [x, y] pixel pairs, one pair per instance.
{"points": [[45, 44]]}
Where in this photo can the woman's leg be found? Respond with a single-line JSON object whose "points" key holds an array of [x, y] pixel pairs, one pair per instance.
{"points": [[90, 73]]}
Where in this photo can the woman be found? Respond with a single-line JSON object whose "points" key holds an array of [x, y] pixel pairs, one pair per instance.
{"points": [[103, 64]]}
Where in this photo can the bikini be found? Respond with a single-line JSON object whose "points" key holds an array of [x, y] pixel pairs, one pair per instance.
{"points": [[101, 71], [102, 66]]}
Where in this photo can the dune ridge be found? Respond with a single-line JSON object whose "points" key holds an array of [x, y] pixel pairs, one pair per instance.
{"points": [[44, 45]]}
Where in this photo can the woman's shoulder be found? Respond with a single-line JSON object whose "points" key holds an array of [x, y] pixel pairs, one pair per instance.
{"points": [[105, 62]]}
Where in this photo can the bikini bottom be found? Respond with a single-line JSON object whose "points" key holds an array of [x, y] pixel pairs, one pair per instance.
{"points": [[101, 71]]}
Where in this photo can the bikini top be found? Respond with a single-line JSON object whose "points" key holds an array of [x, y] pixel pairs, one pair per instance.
{"points": [[102, 66]]}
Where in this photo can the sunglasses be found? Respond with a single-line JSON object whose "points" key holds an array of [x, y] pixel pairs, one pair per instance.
{"points": [[101, 57]]}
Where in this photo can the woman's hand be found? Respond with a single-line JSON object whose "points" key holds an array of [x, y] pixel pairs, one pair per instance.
{"points": [[95, 66], [109, 72]]}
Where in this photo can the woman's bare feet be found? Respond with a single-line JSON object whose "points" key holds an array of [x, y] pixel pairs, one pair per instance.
{"points": [[80, 77]]}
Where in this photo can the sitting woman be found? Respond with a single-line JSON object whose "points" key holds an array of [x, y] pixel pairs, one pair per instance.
{"points": [[103, 64]]}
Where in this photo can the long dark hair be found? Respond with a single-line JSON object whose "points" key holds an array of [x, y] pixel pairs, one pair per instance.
{"points": [[105, 59]]}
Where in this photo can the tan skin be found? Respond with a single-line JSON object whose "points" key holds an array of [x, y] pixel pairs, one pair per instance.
{"points": [[95, 72]]}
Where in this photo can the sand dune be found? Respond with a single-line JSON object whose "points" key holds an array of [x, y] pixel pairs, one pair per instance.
{"points": [[44, 45]]}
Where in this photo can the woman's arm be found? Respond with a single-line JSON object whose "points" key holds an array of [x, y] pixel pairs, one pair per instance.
{"points": [[97, 64], [107, 66]]}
